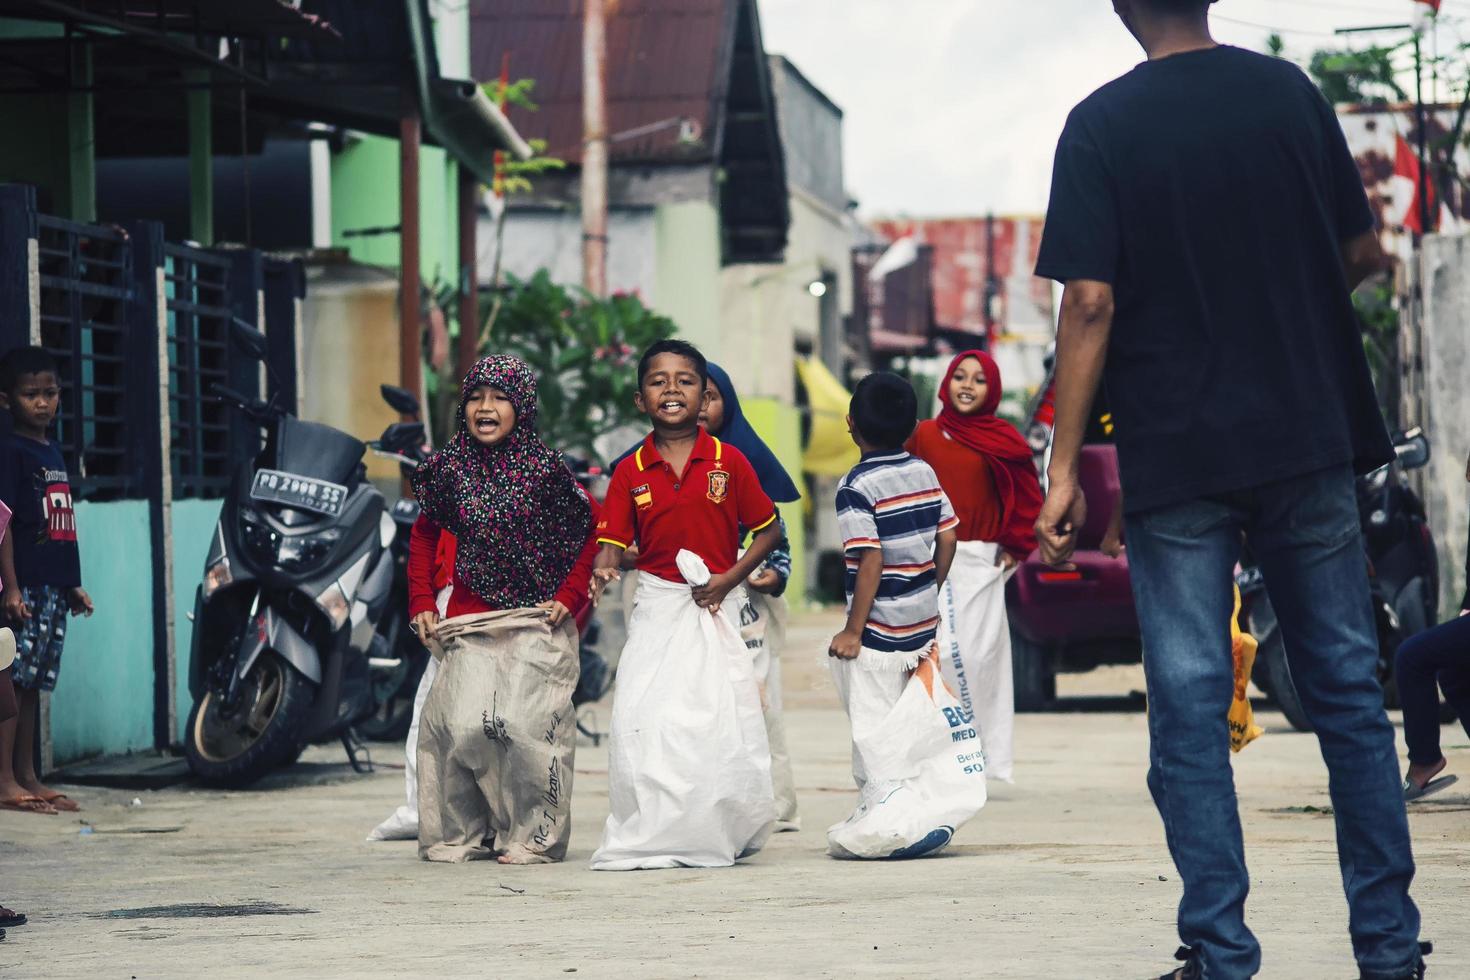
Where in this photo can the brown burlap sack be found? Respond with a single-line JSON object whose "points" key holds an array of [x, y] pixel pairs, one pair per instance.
{"points": [[496, 740]]}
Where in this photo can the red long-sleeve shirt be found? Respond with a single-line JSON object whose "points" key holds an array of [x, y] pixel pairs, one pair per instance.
{"points": [[431, 562]]}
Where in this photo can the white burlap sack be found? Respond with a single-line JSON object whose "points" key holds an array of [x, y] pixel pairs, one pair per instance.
{"points": [[763, 628], [915, 757], [689, 769], [975, 650], [497, 740]]}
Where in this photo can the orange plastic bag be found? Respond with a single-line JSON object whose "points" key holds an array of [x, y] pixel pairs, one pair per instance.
{"points": [[1243, 727]]}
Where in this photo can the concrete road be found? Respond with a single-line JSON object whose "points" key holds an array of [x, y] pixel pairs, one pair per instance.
{"points": [[1063, 875]]}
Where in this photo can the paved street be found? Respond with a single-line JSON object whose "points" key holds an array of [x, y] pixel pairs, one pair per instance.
{"points": [[1063, 875]]}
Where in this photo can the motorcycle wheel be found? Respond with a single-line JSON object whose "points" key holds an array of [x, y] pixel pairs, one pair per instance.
{"points": [[1283, 689], [1035, 684], [393, 693], [235, 749]]}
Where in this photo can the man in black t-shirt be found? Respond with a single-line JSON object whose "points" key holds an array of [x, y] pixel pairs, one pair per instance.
{"points": [[1209, 223]]}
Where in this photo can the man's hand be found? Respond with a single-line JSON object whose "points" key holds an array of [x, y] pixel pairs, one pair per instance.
{"points": [[765, 580], [80, 602], [845, 645], [15, 606], [1005, 561], [556, 613], [630, 558], [1062, 517], [712, 593], [425, 623], [601, 578]]}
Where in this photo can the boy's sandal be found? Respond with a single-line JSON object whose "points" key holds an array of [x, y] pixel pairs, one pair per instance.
{"points": [[1191, 970], [1412, 792], [63, 802], [28, 804], [9, 918]]}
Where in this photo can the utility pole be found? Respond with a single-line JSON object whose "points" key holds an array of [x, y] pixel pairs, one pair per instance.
{"points": [[992, 288], [594, 147]]}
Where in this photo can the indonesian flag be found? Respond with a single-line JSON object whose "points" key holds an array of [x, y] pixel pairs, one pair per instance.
{"points": [[1406, 187]]}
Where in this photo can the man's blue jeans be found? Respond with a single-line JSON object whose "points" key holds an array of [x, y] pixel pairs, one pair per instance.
{"points": [[1304, 531]]}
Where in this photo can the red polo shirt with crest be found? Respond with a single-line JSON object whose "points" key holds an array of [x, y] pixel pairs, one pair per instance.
{"points": [[702, 509]]}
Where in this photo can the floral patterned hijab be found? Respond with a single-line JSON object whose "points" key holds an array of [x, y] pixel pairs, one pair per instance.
{"points": [[519, 515]]}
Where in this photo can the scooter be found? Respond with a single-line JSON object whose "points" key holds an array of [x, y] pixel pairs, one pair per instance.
{"points": [[298, 575], [398, 659], [1403, 576]]}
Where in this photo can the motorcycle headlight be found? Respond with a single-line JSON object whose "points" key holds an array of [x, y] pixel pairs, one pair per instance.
{"points": [[259, 539], [303, 550], [218, 576]]}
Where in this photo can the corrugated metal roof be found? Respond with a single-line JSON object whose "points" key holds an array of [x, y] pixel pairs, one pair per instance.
{"points": [[667, 61]]}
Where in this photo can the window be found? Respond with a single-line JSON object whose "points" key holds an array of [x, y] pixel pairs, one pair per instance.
{"points": [[198, 303]]}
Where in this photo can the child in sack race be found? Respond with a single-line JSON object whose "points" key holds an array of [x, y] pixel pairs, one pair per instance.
{"points": [[497, 731], [987, 471], [917, 758], [689, 771]]}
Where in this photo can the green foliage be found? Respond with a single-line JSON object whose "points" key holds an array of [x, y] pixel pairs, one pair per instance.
{"points": [[1276, 46], [585, 352], [515, 175], [1379, 320], [1368, 76]]}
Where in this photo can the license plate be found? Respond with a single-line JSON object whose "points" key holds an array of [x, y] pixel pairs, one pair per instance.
{"points": [[302, 492]]}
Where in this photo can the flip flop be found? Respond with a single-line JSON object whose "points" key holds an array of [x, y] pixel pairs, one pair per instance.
{"points": [[9, 918], [1412, 792], [70, 806], [28, 804]]}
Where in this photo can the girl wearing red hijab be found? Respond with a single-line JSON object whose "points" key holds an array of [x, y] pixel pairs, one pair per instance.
{"points": [[986, 468]]}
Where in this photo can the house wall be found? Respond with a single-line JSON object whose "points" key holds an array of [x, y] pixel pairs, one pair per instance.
{"points": [[103, 702], [551, 239], [365, 194]]}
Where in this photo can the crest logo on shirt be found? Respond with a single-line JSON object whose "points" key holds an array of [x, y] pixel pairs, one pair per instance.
{"points": [[643, 496], [719, 486]]}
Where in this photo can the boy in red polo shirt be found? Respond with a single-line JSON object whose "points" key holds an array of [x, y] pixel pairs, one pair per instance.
{"points": [[687, 720]]}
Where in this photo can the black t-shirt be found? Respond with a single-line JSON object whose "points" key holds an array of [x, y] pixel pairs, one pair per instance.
{"points": [[1213, 190], [34, 484]]}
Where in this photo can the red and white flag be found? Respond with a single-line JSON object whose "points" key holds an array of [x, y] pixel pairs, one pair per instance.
{"points": [[1424, 11], [1407, 186]]}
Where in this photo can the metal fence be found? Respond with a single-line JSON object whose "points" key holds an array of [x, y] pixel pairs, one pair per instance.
{"points": [[84, 276], [197, 298]]}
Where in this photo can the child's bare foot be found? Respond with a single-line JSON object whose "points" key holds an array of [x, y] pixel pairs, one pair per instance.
{"points": [[54, 797], [521, 854]]}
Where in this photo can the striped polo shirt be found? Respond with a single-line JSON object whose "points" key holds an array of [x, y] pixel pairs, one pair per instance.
{"points": [[893, 501]]}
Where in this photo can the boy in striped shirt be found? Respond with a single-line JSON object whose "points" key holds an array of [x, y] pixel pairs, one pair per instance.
{"points": [[898, 529]]}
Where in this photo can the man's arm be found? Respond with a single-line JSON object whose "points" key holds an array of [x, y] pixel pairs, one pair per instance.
{"points": [[605, 569], [1082, 349], [945, 546], [712, 593], [1362, 257], [849, 642], [13, 607]]}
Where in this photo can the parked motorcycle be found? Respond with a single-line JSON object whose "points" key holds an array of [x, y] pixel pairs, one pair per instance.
{"points": [[298, 576], [1403, 575], [398, 663]]}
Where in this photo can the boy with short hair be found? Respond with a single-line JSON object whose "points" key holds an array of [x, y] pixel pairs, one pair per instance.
{"points": [[898, 528], [690, 768], [34, 484]]}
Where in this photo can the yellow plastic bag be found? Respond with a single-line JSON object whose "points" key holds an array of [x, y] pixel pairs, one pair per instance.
{"points": [[1243, 727]]}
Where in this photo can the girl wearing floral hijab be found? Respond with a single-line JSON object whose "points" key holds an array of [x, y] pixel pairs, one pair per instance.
{"points": [[986, 469], [523, 540]]}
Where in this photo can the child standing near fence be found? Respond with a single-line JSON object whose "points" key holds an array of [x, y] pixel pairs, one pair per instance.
{"points": [[689, 768], [35, 486]]}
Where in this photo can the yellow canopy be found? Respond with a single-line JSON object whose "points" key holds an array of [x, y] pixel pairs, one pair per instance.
{"points": [[830, 451]]}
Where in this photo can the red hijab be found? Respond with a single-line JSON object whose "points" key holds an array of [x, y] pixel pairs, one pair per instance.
{"points": [[1004, 451]]}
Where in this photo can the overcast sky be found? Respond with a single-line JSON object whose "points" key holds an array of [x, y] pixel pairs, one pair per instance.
{"points": [[954, 106]]}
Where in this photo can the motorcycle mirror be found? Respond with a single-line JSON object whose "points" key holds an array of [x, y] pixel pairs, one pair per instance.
{"points": [[249, 339], [401, 435], [400, 399], [1413, 451]]}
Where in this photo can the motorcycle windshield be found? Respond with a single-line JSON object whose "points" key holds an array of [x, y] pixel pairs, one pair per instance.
{"points": [[318, 451]]}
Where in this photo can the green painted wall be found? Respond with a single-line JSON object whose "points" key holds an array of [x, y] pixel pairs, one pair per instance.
{"points": [[104, 698], [365, 195], [687, 269], [780, 427], [193, 529]]}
